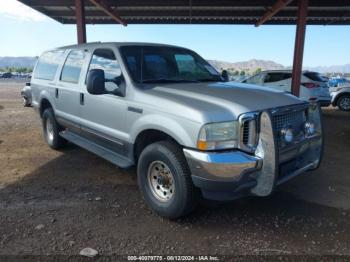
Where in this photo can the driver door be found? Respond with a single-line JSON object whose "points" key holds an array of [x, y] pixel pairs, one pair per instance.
{"points": [[104, 115]]}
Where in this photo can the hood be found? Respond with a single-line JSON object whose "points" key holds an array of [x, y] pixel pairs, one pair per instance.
{"points": [[214, 102]]}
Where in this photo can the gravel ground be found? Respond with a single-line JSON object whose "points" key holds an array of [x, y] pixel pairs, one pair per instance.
{"points": [[59, 202]]}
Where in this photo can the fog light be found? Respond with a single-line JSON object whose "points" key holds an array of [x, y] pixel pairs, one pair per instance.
{"points": [[287, 134], [309, 128]]}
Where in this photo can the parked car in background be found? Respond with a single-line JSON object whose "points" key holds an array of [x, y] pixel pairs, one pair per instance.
{"points": [[26, 94], [340, 92], [6, 75], [167, 111], [313, 85]]}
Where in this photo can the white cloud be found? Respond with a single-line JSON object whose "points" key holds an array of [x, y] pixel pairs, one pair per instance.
{"points": [[16, 10]]}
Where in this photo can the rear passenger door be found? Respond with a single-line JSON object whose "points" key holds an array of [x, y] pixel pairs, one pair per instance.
{"points": [[104, 115], [68, 90], [279, 80]]}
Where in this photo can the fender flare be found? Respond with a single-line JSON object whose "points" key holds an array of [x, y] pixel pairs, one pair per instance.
{"points": [[164, 124]]}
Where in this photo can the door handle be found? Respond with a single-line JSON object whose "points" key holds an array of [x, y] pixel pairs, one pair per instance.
{"points": [[82, 98], [56, 92]]}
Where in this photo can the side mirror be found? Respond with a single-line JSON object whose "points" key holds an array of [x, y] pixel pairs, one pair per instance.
{"points": [[224, 75], [95, 84]]}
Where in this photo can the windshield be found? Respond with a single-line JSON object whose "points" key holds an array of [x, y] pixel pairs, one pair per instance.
{"points": [[155, 64]]}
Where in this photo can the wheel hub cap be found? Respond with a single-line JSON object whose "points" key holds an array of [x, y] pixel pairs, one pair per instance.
{"points": [[49, 130], [345, 103], [161, 181]]}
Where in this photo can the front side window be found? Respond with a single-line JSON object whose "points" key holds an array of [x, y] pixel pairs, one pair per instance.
{"points": [[152, 64], [185, 63], [72, 67], [47, 64], [105, 59]]}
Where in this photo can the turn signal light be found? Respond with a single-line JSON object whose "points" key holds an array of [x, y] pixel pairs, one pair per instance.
{"points": [[202, 145]]}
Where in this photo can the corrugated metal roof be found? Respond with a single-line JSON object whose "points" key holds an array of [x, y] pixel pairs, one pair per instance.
{"points": [[320, 12]]}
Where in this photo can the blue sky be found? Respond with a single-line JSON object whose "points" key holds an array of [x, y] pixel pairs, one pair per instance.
{"points": [[28, 33]]}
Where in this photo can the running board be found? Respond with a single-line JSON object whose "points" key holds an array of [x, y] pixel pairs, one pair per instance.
{"points": [[107, 154]]}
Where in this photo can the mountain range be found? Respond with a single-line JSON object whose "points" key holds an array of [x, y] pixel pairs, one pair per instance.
{"points": [[248, 66], [17, 61], [253, 64]]}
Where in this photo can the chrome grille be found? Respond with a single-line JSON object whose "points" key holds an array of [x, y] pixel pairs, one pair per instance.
{"points": [[248, 124], [245, 135], [293, 118]]}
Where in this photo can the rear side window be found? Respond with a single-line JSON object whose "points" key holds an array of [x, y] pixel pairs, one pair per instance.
{"points": [[47, 64], [72, 67], [275, 77], [315, 76]]}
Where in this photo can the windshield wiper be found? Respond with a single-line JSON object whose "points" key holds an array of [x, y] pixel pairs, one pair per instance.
{"points": [[168, 80]]}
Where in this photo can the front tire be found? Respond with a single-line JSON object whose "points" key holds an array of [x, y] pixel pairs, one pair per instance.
{"points": [[25, 102], [343, 103], [51, 130], [165, 180]]}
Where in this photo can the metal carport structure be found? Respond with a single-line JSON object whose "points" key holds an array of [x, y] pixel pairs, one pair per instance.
{"points": [[254, 12]]}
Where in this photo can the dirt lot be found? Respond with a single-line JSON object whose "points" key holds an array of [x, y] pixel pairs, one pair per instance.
{"points": [[56, 203]]}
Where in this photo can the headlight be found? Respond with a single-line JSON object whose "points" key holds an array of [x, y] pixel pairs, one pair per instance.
{"points": [[287, 134], [309, 128], [218, 136]]}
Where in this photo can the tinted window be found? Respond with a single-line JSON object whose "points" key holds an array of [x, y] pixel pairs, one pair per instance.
{"points": [[315, 76], [275, 77], [167, 64], [47, 64], [157, 66], [72, 67], [105, 59], [185, 63]]}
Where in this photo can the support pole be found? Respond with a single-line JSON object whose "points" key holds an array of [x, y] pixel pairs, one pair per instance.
{"points": [[80, 17], [299, 46]]}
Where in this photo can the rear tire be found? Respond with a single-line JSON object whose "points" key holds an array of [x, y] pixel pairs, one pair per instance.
{"points": [[165, 180], [343, 103], [51, 130]]}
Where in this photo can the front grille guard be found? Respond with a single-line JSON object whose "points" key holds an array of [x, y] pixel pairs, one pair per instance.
{"points": [[249, 124]]}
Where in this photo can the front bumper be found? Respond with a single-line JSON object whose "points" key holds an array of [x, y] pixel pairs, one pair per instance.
{"points": [[222, 175], [232, 174]]}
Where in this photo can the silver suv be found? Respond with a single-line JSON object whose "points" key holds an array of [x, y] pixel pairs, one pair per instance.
{"points": [[170, 113], [313, 86]]}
